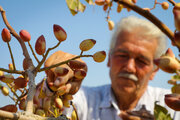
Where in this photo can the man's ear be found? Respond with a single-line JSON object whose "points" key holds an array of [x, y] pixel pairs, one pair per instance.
{"points": [[109, 61], [156, 68]]}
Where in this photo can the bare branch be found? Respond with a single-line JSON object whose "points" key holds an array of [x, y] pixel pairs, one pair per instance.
{"points": [[45, 56], [30, 72], [31, 91], [11, 88], [13, 32], [75, 110], [24, 116], [12, 71], [61, 63], [9, 115], [172, 2], [12, 58], [149, 16], [155, 2], [33, 52]]}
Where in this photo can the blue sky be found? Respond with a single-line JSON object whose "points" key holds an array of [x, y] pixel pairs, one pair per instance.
{"points": [[38, 17]]}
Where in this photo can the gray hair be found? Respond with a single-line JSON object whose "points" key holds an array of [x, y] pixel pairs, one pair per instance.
{"points": [[148, 28]]}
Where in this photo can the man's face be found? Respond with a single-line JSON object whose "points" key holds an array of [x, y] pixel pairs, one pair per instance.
{"points": [[132, 55]]}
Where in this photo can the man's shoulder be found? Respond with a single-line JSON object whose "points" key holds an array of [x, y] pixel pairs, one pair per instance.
{"points": [[95, 88], [156, 93], [157, 90], [97, 92]]}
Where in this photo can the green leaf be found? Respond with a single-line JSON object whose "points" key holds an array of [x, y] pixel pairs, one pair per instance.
{"points": [[175, 77], [161, 113], [75, 6]]}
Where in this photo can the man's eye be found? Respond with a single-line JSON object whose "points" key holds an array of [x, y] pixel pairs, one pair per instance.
{"points": [[142, 62]]}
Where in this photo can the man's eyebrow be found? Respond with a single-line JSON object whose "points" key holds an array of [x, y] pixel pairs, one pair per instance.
{"points": [[146, 58], [125, 51], [120, 50]]}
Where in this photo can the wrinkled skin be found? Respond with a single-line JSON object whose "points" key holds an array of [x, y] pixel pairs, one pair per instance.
{"points": [[132, 55]]}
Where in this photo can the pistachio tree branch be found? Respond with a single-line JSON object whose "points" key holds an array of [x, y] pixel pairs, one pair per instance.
{"points": [[33, 52], [108, 12], [64, 62], [149, 16], [172, 2], [32, 89], [13, 91], [155, 2], [23, 116], [12, 71], [12, 58], [75, 110], [4, 114], [30, 72], [45, 56], [13, 32]]}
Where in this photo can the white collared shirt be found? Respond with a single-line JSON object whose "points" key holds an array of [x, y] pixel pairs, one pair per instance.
{"points": [[98, 103]]}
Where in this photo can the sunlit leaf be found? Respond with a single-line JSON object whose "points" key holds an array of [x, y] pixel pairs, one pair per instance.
{"points": [[73, 12], [175, 77], [81, 7], [161, 113], [89, 1], [75, 6]]}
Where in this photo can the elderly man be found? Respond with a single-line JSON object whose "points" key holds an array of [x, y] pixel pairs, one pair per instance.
{"points": [[134, 46]]}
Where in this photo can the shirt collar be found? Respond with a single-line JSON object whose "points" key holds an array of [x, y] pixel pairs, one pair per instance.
{"points": [[108, 98]]}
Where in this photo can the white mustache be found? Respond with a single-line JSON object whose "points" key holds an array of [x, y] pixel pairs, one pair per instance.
{"points": [[129, 76]]}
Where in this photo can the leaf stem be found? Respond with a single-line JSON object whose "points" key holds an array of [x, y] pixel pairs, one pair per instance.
{"points": [[45, 56], [75, 109], [172, 2], [12, 71], [12, 90], [149, 16], [64, 62], [12, 58], [33, 52]]}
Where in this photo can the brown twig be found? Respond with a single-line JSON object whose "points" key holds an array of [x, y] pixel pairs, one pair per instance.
{"points": [[45, 56], [23, 95], [12, 71], [75, 109], [172, 2], [155, 2], [11, 88], [12, 58], [30, 71], [61, 63], [32, 89], [81, 52], [13, 32], [24, 116], [33, 52], [108, 12], [149, 16]]}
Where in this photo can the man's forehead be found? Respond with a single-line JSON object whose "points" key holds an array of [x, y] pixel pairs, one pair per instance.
{"points": [[136, 39]]}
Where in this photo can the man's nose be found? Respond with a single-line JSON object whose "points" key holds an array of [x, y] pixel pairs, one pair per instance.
{"points": [[130, 66]]}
